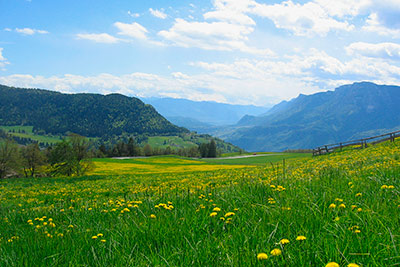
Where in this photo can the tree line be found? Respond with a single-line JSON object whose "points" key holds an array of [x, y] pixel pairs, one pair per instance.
{"points": [[71, 156]]}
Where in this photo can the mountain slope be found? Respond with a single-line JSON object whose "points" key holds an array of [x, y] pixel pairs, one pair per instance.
{"points": [[187, 113], [91, 115], [349, 112]]}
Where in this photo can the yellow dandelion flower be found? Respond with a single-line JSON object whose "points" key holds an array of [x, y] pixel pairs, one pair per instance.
{"points": [[358, 194], [390, 187], [353, 207], [284, 241], [332, 206], [262, 256], [276, 252], [229, 214], [94, 237], [152, 216], [353, 265], [103, 240], [99, 235], [384, 186], [216, 209], [342, 206], [222, 218], [359, 209], [301, 238], [332, 264], [213, 214]]}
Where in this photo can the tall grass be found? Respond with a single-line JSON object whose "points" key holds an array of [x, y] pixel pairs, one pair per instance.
{"points": [[211, 218]]}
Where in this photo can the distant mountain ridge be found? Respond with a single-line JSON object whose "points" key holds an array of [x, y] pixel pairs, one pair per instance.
{"points": [[197, 114], [90, 115], [349, 112]]}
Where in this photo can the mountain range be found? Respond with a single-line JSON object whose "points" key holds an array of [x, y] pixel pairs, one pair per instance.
{"points": [[200, 116], [349, 112]]}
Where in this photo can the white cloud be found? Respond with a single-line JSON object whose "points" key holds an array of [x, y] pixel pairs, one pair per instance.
{"points": [[98, 37], [222, 36], [133, 15], [29, 31], [380, 50], [232, 11], [308, 19], [134, 30], [3, 60], [158, 13], [7, 29], [373, 24]]}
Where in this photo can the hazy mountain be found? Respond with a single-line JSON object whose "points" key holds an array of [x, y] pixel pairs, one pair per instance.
{"points": [[91, 115], [348, 112], [192, 114]]}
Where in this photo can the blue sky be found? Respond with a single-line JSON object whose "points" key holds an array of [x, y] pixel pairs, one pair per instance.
{"points": [[232, 51]]}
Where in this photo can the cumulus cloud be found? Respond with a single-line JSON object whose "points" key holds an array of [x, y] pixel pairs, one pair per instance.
{"points": [[158, 13], [134, 30], [98, 37], [3, 60], [380, 50], [29, 31], [307, 19]]}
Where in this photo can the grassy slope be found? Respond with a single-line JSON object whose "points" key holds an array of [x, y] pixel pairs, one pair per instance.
{"points": [[29, 134], [269, 204]]}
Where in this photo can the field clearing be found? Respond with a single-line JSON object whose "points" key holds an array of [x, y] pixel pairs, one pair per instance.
{"points": [[27, 132], [154, 165], [259, 159], [343, 208]]}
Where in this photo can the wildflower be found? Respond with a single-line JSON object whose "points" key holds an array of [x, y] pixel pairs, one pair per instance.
{"points": [[332, 264], [70, 226], [359, 209], [152, 216], [222, 218], [358, 194], [353, 207], [332, 206], [384, 186], [338, 199], [353, 265], [357, 231], [213, 214], [337, 219], [301, 238], [229, 214], [276, 252], [262, 256], [284, 241], [103, 241], [390, 187], [216, 209], [342, 206], [99, 235], [94, 237]]}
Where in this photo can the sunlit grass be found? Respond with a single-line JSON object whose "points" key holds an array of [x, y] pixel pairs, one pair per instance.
{"points": [[343, 208]]}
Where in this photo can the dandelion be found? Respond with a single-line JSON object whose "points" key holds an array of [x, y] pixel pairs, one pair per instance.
{"points": [[358, 194], [103, 241], [332, 264], [213, 214], [301, 238], [276, 252], [342, 206], [262, 256], [70, 226], [390, 187], [332, 206], [353, 265], [359, 210], [152, 216], [384, 186], [228, 214], [99, 235], [216, 209], [284, 241], [94, 237]]}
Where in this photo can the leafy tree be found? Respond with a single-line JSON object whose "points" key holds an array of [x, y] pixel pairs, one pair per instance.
{"points": [[32, 158], [212, 149], [9, 158], [203, 150], [147, 150]]}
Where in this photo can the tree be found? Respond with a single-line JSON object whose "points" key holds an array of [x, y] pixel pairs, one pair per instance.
{"points": [[147, 150], [212, 149], [9, 158], [32, 158], [203, 150], [70, 156]]}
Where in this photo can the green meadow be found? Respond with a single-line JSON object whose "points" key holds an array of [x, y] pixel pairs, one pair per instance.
{"points": [[171, 211]]}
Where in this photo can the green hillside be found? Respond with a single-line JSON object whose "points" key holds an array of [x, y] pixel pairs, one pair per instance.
{"points": [[90, 115]]}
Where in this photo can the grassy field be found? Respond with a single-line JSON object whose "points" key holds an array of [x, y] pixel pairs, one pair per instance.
{"points": [[260, 159], [27, 132], [167, 211]]}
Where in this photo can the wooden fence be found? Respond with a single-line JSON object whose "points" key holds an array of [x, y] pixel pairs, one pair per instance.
{"points": [[356, 144]]}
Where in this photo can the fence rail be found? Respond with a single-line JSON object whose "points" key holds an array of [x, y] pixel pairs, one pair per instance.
{"points": [[358, 144]]}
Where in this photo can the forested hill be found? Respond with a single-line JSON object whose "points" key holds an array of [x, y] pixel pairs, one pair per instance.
{"points": [[91, 115]]}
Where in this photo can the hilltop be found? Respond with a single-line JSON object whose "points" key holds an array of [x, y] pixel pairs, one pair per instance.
{"points": [[349, 112]]}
